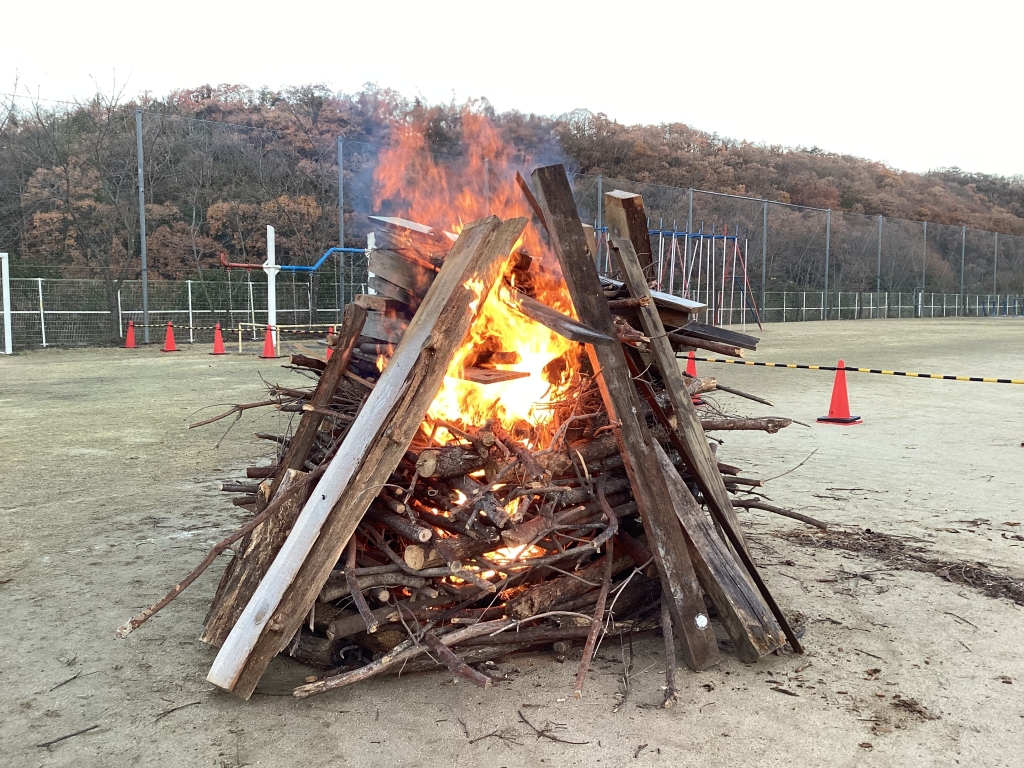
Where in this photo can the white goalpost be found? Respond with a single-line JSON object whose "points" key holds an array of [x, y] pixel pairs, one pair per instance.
{"points": [[5, 275]]}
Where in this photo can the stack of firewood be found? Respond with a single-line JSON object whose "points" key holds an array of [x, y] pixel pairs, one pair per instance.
{"points": [[386, 539]]}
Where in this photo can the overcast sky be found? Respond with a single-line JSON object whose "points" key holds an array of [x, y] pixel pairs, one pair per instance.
{"points": [[917, 85]]}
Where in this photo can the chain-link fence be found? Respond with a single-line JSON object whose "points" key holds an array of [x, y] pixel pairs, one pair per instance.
{"points": [[211, 187], [53, 312]]}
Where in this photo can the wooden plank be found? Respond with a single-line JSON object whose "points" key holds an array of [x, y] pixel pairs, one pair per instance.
{"points": [[407, 273], [629, 208], [253, 557], [255, 553], [491, 375], [698, 457], [391, 291], [380, 304], [301, 444], [383, 328], [666, 302], [560, 323], [747, 619], [376, 442], [650, 489], [721, 335]]}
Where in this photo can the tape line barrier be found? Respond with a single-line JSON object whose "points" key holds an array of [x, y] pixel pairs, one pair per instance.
{"points": [[858, 370]]}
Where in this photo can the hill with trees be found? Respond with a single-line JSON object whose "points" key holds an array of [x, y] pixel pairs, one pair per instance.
{"points": [[222, 161]]}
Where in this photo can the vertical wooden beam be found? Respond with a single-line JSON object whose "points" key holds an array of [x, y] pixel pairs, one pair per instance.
{"points": [[376, 441], [703, 466], [301, 444], [253, 556], [743, 612], [627, 210], [664, 533]]}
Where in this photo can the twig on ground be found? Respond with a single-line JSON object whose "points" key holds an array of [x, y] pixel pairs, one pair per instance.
{"points": [[175, 709], [545, 733], [62, 738]]}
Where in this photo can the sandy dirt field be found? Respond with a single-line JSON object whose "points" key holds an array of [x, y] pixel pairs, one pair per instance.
{"points": [[915, 645]]}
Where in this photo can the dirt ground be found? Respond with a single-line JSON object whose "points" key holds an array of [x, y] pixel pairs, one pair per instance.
{"points": [[107, 500]]}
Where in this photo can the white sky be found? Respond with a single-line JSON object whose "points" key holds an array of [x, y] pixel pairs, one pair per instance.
{"points": [[918, 85]]}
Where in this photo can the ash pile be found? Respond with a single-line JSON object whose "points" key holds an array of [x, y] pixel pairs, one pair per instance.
{"points": [[500, 454]]}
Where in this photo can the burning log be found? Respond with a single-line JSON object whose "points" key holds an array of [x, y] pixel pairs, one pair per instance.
{"points": [[449, 461]]}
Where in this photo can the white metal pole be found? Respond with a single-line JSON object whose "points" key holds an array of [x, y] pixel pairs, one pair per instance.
{"points": [[700, 268], [252, 311], [191, 333], [271, 268], [5, 276], [725, 263], [710, 299], [661, 250], [120, 321], [672, 263], [732, 282], [42, 315]]}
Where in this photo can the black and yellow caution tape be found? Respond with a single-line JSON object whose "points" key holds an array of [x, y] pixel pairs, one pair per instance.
{"points": [[858, 370]]}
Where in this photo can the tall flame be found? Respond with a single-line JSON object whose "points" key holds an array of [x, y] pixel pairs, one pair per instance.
{"points": [[410, 182]]}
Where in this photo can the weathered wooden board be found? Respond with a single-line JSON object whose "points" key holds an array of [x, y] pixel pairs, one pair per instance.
{"points": [[383, 328], [698, 456], [377, 440], [389, 290], [721, 335], [253, 557], [560, 323], [747, 619], [650, 489], [401, 270]]}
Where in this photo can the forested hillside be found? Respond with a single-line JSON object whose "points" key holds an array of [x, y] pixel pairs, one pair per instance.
{"points": [[222, 162]]}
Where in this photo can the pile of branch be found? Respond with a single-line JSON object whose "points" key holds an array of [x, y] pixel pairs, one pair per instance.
{"points": [[383, 539]]}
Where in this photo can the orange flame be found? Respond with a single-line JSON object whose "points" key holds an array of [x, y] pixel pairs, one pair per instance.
{"points": [[411, 183]]}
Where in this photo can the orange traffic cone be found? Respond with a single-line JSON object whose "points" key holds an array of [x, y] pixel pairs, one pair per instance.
{"points": [[839, 408], [330, 349], [691, 370], [129, 339], [218, 342], [268, 346], [169, 340]]}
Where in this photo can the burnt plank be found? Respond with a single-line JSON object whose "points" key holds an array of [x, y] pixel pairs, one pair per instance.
{"points": [[650, 489], [407, 273]]}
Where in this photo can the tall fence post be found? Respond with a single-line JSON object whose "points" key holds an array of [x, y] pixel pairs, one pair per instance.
{"points": [[191, 331], [764, 247], [878, 271], [341, 227], [42, 312], [5, 278], [120, 321], [600, 225], [828, 241], [142, 228], [995, 265], [963, 254], [924, 268]]}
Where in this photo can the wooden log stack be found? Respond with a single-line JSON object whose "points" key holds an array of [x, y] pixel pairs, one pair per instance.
{"points": [[380, 533]]}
